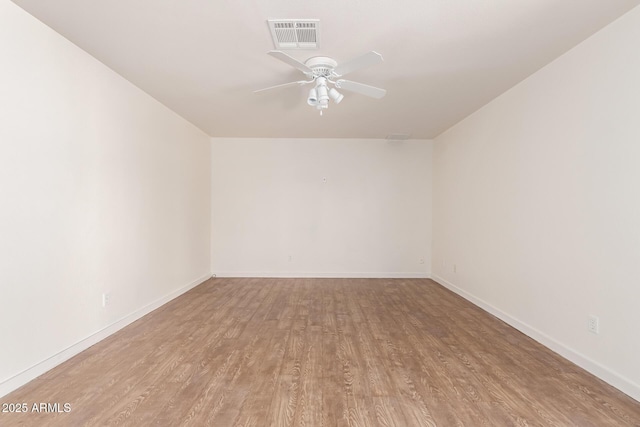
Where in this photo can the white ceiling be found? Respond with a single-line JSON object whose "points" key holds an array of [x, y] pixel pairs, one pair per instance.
{"points": [[443, 59]]}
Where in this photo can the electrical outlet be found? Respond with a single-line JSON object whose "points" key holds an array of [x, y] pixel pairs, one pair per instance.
{"points": [[593, 324], [106, 299], [421, 261]]}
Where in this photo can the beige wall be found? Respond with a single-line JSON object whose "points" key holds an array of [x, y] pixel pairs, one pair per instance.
{"points": [[536, 204], [535, 214], [371, 218], [101, 189]]}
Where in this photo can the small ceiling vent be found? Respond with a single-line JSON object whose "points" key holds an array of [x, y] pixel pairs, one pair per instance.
{"points": [[398, 137], [295, 33]]}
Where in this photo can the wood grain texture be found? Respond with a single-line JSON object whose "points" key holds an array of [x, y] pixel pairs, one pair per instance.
{"points": [[321, 352]]}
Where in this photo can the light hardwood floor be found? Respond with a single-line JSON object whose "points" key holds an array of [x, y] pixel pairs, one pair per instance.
{"points": [[321, 352]]}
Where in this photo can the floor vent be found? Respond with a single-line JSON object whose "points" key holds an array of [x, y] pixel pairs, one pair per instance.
{"points": [[295, 33]]}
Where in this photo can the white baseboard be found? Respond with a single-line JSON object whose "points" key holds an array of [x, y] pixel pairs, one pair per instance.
{"points": [[35, 371], [618, 381], [332, 275]]}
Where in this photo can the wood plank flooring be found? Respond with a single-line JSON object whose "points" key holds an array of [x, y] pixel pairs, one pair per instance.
{"points": [[321, 352]]}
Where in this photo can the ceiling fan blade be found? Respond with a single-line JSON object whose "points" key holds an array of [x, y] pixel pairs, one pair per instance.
{"points": [[289, 60], [373, 92], [300, 83], [366, 60]]}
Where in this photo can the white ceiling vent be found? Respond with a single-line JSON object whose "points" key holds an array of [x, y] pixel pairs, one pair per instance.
{"points": [[295, 33], [398, 137]]}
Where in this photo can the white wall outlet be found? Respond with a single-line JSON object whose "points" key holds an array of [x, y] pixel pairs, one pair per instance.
{"points": [[421, 261], [106, 299], [593, 324], [324, 179]]}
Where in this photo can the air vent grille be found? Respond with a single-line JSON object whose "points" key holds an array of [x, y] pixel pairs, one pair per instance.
{"points": [[398, 137], [295, 33]]}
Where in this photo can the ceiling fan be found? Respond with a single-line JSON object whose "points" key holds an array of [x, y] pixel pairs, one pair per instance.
{"points": [[324, 71]]}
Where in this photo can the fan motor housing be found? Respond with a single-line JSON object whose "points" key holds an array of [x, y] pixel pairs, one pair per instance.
{"points": [[322, 66]]}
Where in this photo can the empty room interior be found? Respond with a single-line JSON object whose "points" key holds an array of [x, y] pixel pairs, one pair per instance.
{"points": [[419, 213]]}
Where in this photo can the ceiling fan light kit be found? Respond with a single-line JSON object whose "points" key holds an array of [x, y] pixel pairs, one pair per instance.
{"points": [[319, 95], [324, 71], [335, 95]]}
